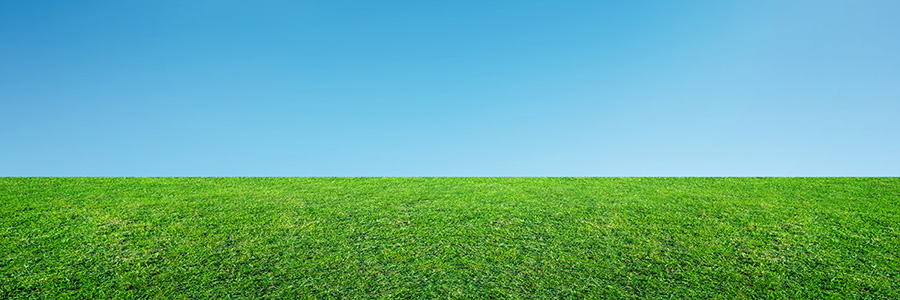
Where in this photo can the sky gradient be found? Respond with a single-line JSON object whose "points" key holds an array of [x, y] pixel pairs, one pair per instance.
{"points": [[450, 88]]}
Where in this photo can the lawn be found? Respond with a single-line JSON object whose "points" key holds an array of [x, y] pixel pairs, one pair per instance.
{"points": [[171, 238]]}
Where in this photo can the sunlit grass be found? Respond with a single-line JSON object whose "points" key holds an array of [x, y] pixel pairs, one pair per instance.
{"points": [[450, 237]]}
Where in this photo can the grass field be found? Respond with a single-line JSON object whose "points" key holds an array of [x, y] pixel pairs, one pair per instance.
{"points": [[450, 238]]}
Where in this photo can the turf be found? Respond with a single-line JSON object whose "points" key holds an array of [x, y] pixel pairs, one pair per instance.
{"points": [[460, 238]]}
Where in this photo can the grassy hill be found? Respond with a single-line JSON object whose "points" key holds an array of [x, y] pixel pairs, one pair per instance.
{"points": [[450, 237]]}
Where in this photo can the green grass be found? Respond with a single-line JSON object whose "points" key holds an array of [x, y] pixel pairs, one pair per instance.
{"points": [[780, 238]]}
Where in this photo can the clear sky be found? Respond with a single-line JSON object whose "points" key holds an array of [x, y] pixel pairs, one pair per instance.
{"points": [[450, 88]]}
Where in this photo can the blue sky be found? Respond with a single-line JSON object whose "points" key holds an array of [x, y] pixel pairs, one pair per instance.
{"points": [[450, 88]]}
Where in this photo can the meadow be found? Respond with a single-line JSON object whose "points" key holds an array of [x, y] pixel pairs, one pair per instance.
{"points": [[450, 238]]}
